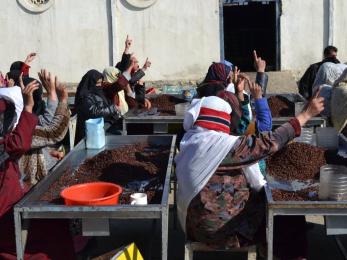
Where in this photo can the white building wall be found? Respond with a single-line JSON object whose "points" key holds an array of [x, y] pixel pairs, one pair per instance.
{"points": [[180, 37], [70, 37], [303, 33], [340, 28]]}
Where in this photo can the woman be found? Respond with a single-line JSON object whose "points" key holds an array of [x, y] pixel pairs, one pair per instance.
{"points": [[339, 104], [215, 205], [91, 101], [126, 98], [17, 127], [34, 164], [327, 74]]}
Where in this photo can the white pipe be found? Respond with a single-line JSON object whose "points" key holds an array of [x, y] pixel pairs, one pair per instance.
{"points": [[331, 23], [113, 28]]}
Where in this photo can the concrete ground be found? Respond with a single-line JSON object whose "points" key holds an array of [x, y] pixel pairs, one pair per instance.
{"points": [[147, 238]]}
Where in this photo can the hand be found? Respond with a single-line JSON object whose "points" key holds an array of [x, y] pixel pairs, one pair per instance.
{"points": [[128, 43], [259, 64], [49, 83], [147, 64], [57, 154], [255, 90], [61, 91], [235, 75], [314, 107], [28, 95], [30, 58], [147, 104], [2, 80]]}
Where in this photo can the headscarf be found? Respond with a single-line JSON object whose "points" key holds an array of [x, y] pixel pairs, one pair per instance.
{"points": [[39, 103], [87, 85], [111, 74], [13, 95], [328, 73], [218, 73], [202, 148], [14, 75], [339, 102], [17, 65], [228, 63]]}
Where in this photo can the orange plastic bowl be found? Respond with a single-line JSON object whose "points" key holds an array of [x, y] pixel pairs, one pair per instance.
{"points": [[92, 194]]}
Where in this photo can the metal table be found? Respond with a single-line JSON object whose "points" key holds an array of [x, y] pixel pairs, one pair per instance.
{"points": [[160, 122], [322, 208], [299, 102], [30, 207]]}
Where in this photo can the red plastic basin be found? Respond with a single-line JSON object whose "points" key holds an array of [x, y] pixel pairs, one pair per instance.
{"points": [[92, 194]]}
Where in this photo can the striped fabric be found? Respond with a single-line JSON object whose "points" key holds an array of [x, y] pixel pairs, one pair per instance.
{"points": [[213, 120]]}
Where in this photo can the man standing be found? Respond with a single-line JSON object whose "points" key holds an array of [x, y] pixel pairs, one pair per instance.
{"points": [[307, 80]]}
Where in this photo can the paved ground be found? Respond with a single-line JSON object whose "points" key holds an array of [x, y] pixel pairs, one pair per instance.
{"points": [[321, 247]]}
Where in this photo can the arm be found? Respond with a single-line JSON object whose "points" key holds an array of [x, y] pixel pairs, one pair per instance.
{"points": [[48, 115], [249, 149], [140, 93], [124, 63], [245, 119], [95, 107], [18, 142], [262, 79], [263, 115], [55, 131], [136, 77]]}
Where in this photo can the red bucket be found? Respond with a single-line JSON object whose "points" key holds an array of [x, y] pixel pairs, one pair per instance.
{"points": [[92, 194]]}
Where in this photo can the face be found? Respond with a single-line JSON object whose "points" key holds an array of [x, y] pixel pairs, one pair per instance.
{"points": [[99, 83], [137, 66], [331, 54]]}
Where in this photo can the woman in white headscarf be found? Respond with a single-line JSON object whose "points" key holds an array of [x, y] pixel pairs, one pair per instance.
{"points": [[327, 74], [215, 204], [339, 104]]}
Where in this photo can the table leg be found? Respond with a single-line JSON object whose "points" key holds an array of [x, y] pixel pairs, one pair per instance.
{"points": [[164, 232], [21, 232], [124, 131], [270, 233]]}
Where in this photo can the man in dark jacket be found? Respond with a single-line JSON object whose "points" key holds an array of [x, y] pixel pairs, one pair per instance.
{"points": [[307, 80]]}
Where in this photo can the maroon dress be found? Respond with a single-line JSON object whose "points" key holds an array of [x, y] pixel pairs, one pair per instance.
{"points": [[57, 244]]}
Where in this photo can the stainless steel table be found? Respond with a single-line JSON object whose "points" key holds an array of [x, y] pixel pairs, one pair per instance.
{"points": [[30, 207], [322, 208]]}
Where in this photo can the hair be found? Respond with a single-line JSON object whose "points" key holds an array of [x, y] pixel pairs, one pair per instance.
{"points": [[329, 50]]}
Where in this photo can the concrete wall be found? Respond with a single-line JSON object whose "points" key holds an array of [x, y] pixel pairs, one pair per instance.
{"points": [[70, 38], [180, 37], [305, 31], [340, 28]]}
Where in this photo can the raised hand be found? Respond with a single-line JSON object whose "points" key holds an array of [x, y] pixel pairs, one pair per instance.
{"points": [[30, 58], [128, 43], [2, 80], [255, 90], [147, 64], [314, 107], [61, 91], [28, 95], [259, 64], [48, 81]]}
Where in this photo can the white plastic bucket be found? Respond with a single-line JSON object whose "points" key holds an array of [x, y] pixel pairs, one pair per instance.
{"points": [[95, 133]]}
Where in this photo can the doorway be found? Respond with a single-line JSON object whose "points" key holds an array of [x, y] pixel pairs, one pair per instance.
{"points": [[251, 26]]}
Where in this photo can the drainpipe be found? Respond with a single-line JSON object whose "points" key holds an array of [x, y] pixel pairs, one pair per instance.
{"points": [[113, 53], [331, 23]]}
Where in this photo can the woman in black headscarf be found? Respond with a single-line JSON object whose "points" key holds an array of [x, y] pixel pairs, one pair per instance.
{"points": [[40, 105], [91, 102]]}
